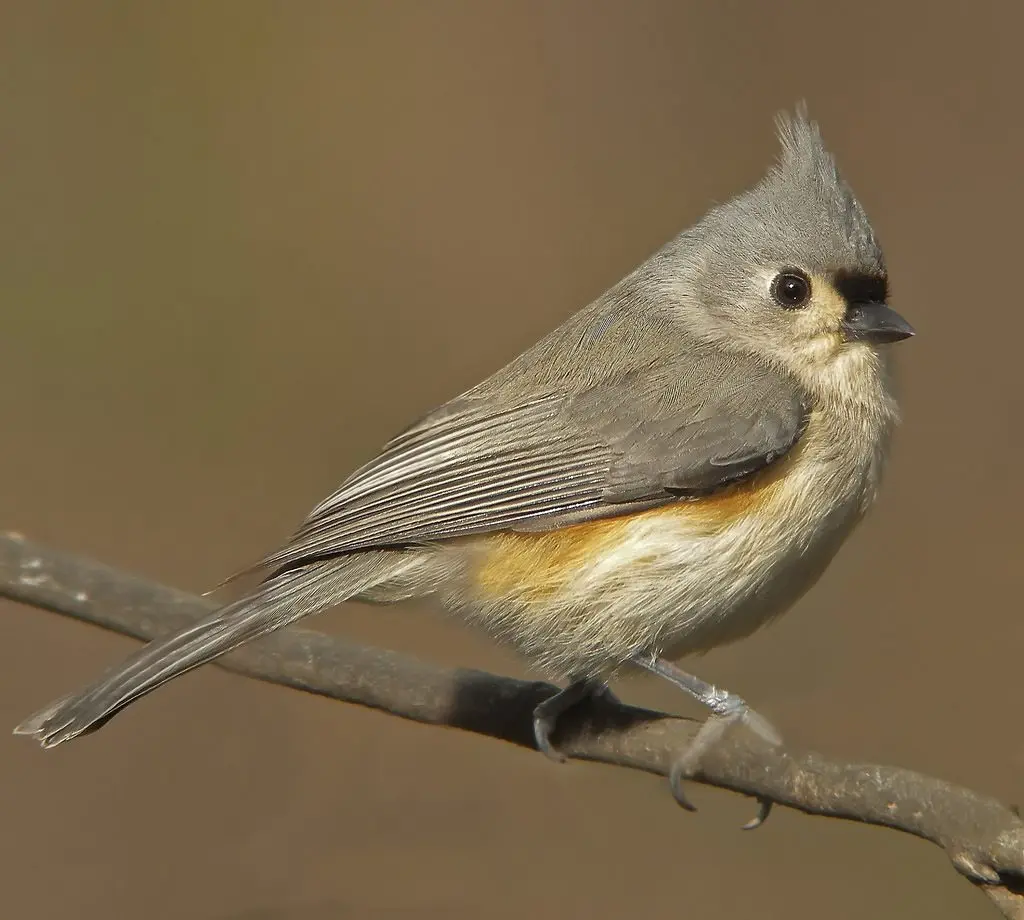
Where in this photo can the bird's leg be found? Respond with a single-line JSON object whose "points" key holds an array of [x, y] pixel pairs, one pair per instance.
{"points": [[727, 709], [547, 714]]}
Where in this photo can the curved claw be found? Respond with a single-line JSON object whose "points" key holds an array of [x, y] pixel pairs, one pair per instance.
{"points": [[676, 777], [764, 808], [710, 734], [542, 735], [547, 713]]}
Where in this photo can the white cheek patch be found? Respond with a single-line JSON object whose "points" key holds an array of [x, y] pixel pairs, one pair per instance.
{"points": [[820, 351]]}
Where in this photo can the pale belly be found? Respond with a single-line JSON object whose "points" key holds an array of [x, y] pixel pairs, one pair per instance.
{"points": [[675, 581]]}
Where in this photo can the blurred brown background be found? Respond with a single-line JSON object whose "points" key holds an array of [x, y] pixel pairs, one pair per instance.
{"points": [[244, 243]]}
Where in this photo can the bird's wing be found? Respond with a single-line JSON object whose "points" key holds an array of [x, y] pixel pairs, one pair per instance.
{"points": [[631, 440]]}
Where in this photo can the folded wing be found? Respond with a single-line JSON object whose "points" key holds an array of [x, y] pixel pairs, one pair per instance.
{"points": [[678, 427]]}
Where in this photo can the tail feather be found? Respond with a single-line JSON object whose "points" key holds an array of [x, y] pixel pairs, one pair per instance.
{"points": [[294, 595]]}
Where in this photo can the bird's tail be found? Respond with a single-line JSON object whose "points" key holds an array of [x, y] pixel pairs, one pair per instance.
{"points": [[278, 602]]}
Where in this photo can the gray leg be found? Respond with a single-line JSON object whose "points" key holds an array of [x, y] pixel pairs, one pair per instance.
{"points": [[546, 715], [727, 709]]}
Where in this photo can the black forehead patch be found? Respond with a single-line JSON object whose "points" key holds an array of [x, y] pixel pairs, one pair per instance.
{"points": [[861, 287]]}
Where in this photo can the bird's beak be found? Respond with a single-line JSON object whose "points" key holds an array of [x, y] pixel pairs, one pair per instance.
{"points": [[875, 323]]}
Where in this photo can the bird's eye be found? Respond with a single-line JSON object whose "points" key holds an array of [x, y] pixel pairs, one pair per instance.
{"points": [[791, 289]]}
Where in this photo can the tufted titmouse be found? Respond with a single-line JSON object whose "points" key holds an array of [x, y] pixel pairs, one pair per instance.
{"points": [[664, 473]]}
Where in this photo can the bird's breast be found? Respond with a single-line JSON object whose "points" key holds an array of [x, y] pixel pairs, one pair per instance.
{"points": [[681, 578], [748, 528]]}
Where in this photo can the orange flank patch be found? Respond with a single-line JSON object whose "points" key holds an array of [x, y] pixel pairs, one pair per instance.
{"points": [[535, 565]]}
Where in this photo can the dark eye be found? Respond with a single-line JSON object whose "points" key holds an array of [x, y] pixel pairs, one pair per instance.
{"points": [[791, 289]]}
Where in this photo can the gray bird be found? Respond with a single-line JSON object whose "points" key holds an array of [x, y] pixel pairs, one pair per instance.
{"points": [[665, 472]]}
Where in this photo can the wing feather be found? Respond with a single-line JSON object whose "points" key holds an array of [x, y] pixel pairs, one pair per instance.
{"points": [[499, 459]]}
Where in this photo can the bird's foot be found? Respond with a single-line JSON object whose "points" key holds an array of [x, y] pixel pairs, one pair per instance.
{"points": [[547, 713], [730, 711]]}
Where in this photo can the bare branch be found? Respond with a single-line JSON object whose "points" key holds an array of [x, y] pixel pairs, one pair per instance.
{"points": [[983, 838]]}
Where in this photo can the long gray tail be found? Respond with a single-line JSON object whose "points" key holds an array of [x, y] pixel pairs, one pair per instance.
{"points": [[277, 603]]}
